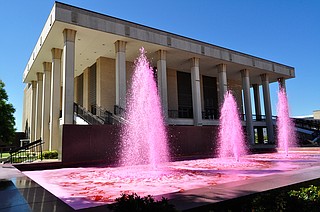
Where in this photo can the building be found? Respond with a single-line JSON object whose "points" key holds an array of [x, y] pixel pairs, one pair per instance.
{"points": [[86, 58]]}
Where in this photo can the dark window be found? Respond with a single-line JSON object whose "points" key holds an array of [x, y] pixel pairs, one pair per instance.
{"points": [[184, 95], [210, 97]]}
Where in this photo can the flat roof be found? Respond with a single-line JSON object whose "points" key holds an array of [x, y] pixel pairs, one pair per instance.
{"points": [[96, 34]]}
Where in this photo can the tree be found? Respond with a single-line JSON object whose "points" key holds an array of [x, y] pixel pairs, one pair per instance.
{"points": [[7, 120]]}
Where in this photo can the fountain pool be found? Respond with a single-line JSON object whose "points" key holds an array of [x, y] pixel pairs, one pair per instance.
{"points": [[89, 187]]}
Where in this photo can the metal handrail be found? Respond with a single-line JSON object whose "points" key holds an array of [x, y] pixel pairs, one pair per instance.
{"points": [[103, 114], [119, 111], [87, 115], [27, 153]]}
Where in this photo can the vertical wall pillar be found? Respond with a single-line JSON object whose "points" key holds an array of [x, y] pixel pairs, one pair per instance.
{"points": [[55, 99], [75, 88], [267, 106], [33, 110], [247, 103], [68, 75], [39, 105], [85, 91], [105, 78], [223, 84], [162, 81], [196, 95], [257, 105], [120, 47], [45, 132]]}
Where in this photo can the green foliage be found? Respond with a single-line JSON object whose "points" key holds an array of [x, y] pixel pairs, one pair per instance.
{"points": [[304, 199], [7, 121], [134, 203], [269, 201], [308, 198], [50, 154]]}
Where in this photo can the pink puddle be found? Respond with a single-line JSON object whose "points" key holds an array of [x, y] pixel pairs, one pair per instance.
{"points": [[89, 187]]}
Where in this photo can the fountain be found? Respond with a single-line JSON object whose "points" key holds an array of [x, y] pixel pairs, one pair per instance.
{"points": [[144, 138], [144, 150], [231, 140], [286, 132]]}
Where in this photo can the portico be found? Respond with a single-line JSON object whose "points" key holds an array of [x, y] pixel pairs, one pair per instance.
{"points": [[86, 58]]}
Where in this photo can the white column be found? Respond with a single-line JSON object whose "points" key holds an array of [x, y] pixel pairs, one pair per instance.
{"points": [[247, 104], [121, 81], [33, 110], [267, 106], [223, 84], [45, 132], [39, 105], [68, 75], [162, 81], [196, 95], [55, 99]]}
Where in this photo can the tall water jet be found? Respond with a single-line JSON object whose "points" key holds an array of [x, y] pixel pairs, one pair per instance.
{"points": [[144, 137], [231, 139], [286, 132]]}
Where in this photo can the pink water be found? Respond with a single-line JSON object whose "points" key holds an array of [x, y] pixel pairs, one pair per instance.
{"points": [[144, 138], [231, 139], [89, 187], [286, 132]]}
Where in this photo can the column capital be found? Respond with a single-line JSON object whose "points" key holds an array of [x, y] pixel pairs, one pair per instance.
{"points": [[39, 76], [47, 66], [222, 67], [245, 73], [69, 35], [56, 53], [195, 62], [120, 46], [33, 84], [264, 77], [162, 54]]}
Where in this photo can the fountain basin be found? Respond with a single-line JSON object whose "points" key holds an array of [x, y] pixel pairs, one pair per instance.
{"points": [[89, 187]]}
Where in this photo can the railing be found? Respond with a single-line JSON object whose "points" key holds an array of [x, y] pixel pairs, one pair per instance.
{"points": [[210, 114], [181, 113], [103, 114], [87, 115], [307, 124], [119, 111], [27, 153]]}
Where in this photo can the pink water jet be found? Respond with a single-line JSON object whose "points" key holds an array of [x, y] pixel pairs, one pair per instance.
{"points": [[286, 132], [144, 137], [231, 139]]}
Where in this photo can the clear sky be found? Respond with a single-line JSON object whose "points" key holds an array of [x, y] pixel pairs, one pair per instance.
{"points": [[287, 32]]}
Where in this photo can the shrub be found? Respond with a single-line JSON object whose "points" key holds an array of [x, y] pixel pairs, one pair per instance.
{"points": [[50, 154], [134, 202], [307, 198]]}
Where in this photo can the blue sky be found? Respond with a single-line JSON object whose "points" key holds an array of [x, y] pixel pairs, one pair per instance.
{"points": [[287, 32]]}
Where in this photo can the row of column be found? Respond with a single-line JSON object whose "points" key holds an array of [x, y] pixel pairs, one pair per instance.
{"points": [[46, 91], [196, 94], [222, 78], [46, 94]]}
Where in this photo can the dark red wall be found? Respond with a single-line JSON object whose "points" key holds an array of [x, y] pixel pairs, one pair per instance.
{"points": [[89, 144]]}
